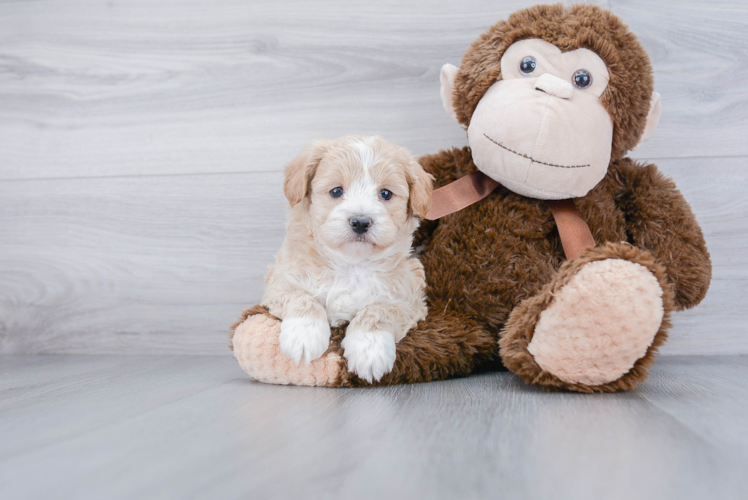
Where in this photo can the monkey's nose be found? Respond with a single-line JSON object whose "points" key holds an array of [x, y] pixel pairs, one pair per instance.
{"points": [[360, 224], [554, 86]]}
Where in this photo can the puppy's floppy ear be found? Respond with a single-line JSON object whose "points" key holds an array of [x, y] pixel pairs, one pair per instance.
{"points": [[300, 172], [421, 185]]}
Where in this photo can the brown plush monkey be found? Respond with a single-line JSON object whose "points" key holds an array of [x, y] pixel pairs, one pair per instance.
{"points": [[552, 99]]}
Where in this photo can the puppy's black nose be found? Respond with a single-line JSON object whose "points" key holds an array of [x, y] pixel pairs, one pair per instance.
{"points": [[360, 224]]}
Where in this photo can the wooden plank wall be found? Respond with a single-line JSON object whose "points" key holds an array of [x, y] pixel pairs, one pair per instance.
{"points": [[142, 143]]}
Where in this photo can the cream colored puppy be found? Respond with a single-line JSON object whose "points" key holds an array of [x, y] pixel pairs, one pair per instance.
{"points": [[347, 253]]}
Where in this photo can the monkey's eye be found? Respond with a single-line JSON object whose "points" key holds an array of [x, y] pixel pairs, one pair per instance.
{"points": [[528, 65], [385, 194], [581, 79], [336, 192]]}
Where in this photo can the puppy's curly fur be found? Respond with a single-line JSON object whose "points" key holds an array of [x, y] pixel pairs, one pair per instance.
{"points": [[347, 253]]}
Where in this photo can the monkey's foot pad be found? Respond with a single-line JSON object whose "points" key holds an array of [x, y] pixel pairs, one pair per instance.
{"points": [[600, 323], [256, 348], [596, 326]]}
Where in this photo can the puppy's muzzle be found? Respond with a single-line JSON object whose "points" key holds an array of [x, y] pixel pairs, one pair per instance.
{"points": [[360, 224]]}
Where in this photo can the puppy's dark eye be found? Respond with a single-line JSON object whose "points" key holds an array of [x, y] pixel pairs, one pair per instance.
{"points": [[528, 65], [385, 194], [581, 79], [336, 192]]}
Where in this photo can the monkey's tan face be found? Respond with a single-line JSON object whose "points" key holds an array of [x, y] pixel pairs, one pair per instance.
{"points": [[542, 130]]}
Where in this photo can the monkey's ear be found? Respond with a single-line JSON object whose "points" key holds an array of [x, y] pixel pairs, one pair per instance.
{"points": [[300, 172], [447, 78], [652, 118]]}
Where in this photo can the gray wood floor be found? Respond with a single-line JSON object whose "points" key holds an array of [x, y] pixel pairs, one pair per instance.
{"points": [[122, 427], [141, 145]]}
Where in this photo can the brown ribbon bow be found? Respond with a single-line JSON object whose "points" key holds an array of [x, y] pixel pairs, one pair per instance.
{"points": [[575, 234]]}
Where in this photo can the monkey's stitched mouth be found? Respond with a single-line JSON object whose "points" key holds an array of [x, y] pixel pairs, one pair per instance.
{"points": [[532, 159]]}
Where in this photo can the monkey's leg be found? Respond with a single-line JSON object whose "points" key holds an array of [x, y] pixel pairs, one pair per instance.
{"points": [[446, 344], [441, 346], [254, 340], [595, 327]]}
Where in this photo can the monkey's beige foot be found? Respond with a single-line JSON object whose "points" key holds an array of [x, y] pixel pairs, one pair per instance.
{"points": [[256, 348], [601, 322], [595, 327]]}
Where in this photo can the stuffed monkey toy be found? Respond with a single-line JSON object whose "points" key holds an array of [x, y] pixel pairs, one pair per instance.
{"points": [[550, 252]]}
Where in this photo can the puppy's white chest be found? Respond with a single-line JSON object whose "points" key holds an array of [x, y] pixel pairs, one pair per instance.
{"points": [[351, 289]]}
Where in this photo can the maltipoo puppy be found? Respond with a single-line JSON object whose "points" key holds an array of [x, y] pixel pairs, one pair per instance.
{"points": [[347, 257]]}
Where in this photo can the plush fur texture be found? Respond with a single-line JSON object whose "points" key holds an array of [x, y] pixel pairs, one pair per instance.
{"points": [[493, 268]]}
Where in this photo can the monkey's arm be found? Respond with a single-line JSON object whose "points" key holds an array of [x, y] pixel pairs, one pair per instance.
{"points": [[446, 166], [660, 220]]}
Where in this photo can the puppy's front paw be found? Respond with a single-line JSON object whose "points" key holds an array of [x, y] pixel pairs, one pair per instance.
{"points": [[304, 338], [370, 354]]}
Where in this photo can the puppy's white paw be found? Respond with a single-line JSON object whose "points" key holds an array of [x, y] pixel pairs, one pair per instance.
{"points": [[370, 354], [304, 339]]}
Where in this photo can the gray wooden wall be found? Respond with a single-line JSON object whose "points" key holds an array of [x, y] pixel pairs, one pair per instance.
{"points": [[142, 144]]}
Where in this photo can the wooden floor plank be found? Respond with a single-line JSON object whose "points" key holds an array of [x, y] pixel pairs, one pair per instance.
{"points": [[690, 388], [228, 437], [87, 392]]}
